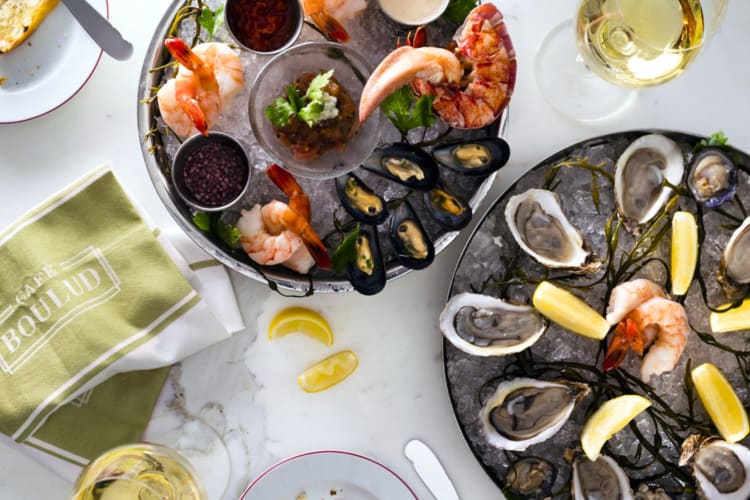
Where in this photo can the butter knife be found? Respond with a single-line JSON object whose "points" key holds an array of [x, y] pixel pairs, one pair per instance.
{"points": [[99, 29], [430, 470]]}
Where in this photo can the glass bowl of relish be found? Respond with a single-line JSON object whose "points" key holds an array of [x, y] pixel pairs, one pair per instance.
{"points": [[264, 26], [332, 145]]}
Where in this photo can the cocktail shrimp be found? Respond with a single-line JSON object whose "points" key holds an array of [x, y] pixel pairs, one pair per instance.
{"points": [[628, 295], [658, 322], [208, 76], [296, 215], [269, 245]]}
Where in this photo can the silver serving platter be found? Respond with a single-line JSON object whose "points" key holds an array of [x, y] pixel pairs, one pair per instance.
{"points": [[470, 379], [158, 166]]}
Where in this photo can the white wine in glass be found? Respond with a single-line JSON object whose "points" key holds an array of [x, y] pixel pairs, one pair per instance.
{"points": [[639, 43], [139, 471], [629, 43]]}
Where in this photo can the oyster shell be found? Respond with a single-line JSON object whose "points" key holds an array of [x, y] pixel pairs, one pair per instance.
{"points": [[540, 228], [360, 201], [734, 270], [477, 157], [525, 411], [712, 177], [367, 272], [531, 477], [487, 326], [640, 173], [721, 469], [413, 246], [601, 479], [404, 164]]}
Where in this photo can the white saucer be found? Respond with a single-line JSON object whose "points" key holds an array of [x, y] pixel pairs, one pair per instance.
{"points": [[329, 475], [49, 68]]}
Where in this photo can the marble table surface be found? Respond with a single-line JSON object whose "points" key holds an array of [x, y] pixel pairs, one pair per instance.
{"points": [[245, 388]]}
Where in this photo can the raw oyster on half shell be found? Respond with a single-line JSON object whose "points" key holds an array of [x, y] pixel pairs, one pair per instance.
{"points": [[526, 411], [712, 177], [602, 479], [721, 469], [734, 268], [488, 326], [531, 477], [542, 230], [640, 192]]}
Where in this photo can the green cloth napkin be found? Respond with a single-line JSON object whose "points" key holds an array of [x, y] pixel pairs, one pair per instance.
{"points": [[87, 293]]}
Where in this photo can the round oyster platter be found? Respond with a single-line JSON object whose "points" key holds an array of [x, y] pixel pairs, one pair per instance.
{"points": [[373, 36], [522, 386]]}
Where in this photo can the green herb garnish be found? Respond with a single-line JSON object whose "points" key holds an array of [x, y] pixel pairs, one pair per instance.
{"points": [[212, 223], [307, 108], [210, 20], [458, 10], [407, 113], [346, 252], [717, 139]]}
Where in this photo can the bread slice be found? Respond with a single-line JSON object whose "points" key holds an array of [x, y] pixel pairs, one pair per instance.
{"points": [[19, 19]]}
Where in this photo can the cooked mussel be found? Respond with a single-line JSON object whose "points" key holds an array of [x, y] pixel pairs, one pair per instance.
{"points": [[712, 177], [446, 208], [476, 157], [413, 246], [531, 477], [367, 272], [404, 164], [360, 201]]}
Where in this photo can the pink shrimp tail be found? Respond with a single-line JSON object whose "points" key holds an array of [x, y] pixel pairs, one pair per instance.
{"points": [[331, 28], [298, 200]]}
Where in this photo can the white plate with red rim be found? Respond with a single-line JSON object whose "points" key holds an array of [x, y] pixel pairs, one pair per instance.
{"points": [[329, 475], [49, 67]]}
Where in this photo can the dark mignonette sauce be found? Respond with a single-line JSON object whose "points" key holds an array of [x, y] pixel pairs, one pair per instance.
{"points": [[214, 174], [263, 25]]}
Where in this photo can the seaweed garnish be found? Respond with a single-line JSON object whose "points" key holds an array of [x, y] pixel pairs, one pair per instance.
{"points": [[626, 258]]}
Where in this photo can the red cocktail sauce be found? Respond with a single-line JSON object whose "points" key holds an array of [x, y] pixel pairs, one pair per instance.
{"points": [[263, 25]]}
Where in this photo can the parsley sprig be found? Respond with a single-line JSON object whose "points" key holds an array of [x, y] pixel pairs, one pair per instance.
{"points": [[407, 113], [307, 108], [211, 20]]}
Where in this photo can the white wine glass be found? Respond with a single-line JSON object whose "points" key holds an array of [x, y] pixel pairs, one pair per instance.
{"points": [[142, 471], [587, 69]]}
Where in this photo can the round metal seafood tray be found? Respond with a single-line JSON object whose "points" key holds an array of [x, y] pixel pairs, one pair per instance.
{"points": [[487, 265], [158, 159]]}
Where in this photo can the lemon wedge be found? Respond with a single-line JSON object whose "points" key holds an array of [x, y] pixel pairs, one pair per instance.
{"points": [[721, 402], [610, 418], [328, 372], [301, 320], [569, 311], [731, 320], [684, 251]]}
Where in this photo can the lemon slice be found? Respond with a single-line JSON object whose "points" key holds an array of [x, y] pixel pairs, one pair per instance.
{"points": [[569, 311], [731, 320], [684, 251], [301, 320], [721, 402], [328, 372], [610, 418]]}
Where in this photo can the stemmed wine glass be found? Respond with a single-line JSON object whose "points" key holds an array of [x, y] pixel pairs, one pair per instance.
{"points": [[628, 43]]}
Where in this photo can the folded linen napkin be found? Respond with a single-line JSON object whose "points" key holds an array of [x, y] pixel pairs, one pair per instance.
{"points": [[95, 305]]}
